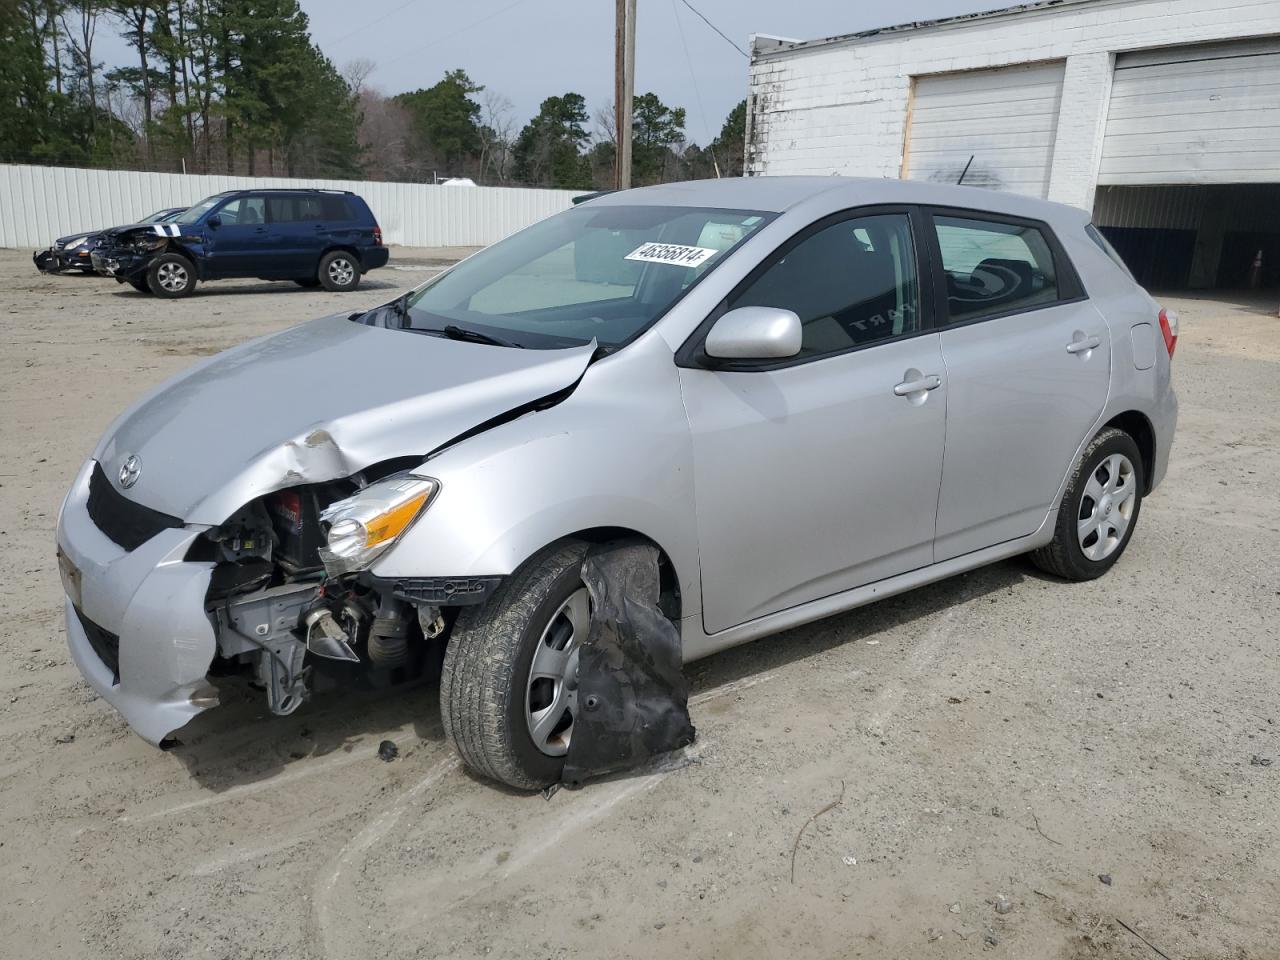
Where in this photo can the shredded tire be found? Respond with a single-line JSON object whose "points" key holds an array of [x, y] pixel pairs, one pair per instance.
{"points": [[486, 667], [1062, 556]]}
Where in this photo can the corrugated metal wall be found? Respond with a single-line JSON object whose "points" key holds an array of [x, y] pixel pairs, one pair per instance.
{"points": [[38, 204]]}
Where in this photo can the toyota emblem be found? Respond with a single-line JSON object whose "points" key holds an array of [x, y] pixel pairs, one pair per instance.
{"points": [[130, 470]]}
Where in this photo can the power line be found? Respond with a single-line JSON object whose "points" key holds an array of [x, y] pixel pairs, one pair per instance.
{"points": [[675, 12], [449, 36], [370, 23], [715, 28]]}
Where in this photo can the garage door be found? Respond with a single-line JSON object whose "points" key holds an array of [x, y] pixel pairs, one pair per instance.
{"points": [[1005, 119], [1205, 114]]}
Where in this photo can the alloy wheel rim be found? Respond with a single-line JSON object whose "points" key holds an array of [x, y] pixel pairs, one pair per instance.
{"points": [[551, 693], [172, 276], [341, 271], [1106, 507]]}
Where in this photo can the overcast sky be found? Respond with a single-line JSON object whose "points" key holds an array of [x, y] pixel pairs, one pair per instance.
{"points": [[531, 49]]}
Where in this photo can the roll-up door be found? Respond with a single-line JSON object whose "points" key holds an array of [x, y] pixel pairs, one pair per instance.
{"points": [[1005, 119], [1203, 114]]}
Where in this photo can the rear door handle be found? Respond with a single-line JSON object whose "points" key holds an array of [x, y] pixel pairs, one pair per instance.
{"points": [[1080, 346], [907, 387]]}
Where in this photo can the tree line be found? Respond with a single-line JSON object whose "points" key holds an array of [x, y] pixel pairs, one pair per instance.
{"points": [[238, 86]]}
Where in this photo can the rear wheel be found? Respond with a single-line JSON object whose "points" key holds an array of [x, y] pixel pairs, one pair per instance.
{"points": [[1099, 509], [508, 691], [339, 271], [171, 275]]}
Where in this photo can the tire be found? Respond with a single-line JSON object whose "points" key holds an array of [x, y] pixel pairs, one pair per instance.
{"points": [[339, 271], [485, 684], [140, 285], [171, 275], [1099, 510], [308, 282]]}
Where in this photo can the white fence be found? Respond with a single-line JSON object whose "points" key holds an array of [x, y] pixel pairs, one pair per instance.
{"points": [[38, 204]]}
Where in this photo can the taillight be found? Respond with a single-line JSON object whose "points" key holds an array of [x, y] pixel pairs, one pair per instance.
{"points": [[377, 236], [1169, 327]]}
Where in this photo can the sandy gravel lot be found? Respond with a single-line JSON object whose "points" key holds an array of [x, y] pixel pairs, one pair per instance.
{"points": [[999, 734]]}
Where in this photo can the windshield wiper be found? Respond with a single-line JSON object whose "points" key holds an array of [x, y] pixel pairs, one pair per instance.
{"points": [[455, 332]]}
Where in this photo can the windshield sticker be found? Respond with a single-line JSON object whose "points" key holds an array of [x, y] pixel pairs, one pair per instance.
{"points": [[671, 253]]}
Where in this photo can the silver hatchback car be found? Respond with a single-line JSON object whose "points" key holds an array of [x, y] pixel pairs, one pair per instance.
{"points": [[806, 394]]}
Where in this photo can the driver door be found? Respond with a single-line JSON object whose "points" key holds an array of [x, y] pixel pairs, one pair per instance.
{"points": [[820, 473]]}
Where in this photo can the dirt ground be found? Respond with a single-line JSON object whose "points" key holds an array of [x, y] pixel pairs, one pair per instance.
{"points": [[998, 734]]}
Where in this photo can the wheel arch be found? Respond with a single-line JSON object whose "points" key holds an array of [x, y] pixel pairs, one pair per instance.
{"points": [[345, 248], [1137, 425], [671, 598]]}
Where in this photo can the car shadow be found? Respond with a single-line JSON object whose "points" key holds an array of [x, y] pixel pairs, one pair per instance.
{"points": [[265, 287], [240, 742]]}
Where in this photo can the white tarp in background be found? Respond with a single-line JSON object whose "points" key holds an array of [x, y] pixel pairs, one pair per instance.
{"points": [[38, 204]]}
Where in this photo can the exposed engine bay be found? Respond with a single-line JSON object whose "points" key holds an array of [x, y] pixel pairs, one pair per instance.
{"points": [[288, 616]]}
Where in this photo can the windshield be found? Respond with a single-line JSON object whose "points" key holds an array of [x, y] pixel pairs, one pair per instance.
{"points": [[200, 209], [605, 273]]}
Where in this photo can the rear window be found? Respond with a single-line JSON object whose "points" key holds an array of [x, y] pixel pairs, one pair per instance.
{"points": [[993, 267], [1096, 236]]}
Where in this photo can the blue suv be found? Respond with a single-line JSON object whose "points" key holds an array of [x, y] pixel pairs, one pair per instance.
{"points": [[316, 238]]}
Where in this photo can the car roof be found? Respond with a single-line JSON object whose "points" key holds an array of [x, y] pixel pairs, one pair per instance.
{"points": [[237, 193], [779, 194]]}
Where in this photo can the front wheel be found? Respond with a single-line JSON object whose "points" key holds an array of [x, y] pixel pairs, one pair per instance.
{"points": [[171, 275], [508, 690], [339, 271], [1099, 509]]}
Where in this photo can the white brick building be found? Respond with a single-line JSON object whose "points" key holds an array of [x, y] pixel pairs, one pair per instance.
{"points": [[1160, 116]]}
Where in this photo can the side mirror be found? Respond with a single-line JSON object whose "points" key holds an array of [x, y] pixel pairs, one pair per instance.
{"points": [[755, 333], [214, 222]]}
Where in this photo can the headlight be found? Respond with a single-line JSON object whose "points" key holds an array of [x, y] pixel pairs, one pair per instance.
{"points": [[76, 242], [360, 528]]}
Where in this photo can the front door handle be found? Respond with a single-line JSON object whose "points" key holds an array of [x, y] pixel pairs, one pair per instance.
{"points": [[1084, 345], [919, 385]]}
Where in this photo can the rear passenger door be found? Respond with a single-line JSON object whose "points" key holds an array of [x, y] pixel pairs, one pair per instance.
{"points": [[1028, 363], [295, 221]]}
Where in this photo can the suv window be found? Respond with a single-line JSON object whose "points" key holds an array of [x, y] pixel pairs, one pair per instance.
{"points": [[294, 208], [994, 267], [244, 210], [852, 283]]}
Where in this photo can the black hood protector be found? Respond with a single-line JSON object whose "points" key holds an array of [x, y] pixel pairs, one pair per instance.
{"points": [[633, 697]]}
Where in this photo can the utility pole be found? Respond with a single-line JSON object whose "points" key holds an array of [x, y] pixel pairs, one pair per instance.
{"points": [[624, 89]]}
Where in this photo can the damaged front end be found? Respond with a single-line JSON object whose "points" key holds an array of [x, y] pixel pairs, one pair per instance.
{"points": [[228, 524], [291, 599], [125, 254]]}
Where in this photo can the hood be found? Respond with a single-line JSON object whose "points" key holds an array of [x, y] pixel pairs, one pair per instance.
{"points": [[159, 229], [316, 402], [89, 234]]}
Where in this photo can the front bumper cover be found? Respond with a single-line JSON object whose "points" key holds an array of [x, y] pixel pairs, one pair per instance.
{"points": [[122, 265], [154, 602]]}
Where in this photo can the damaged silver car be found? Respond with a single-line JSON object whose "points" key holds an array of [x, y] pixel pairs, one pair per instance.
{"points": [[800, 395]]}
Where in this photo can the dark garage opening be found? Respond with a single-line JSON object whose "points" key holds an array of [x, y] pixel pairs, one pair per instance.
{"points": [[1224, 236]]}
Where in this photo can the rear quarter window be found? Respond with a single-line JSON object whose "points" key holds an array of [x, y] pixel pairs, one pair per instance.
{"points": [[335, 208], [1105, 246]]}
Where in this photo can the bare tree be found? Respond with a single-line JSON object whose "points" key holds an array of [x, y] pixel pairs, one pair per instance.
{"points": [[607, 124], [356, 72], [81, 42], [497, 135]]}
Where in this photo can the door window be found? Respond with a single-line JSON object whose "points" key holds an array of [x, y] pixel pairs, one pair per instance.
{"points": [[993, 267], [852, 284], [244, 210]]}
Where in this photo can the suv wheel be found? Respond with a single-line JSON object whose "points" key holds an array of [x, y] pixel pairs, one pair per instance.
{"points": [[171, 275], [339, 271], [1099, 509], [508, 691]]}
